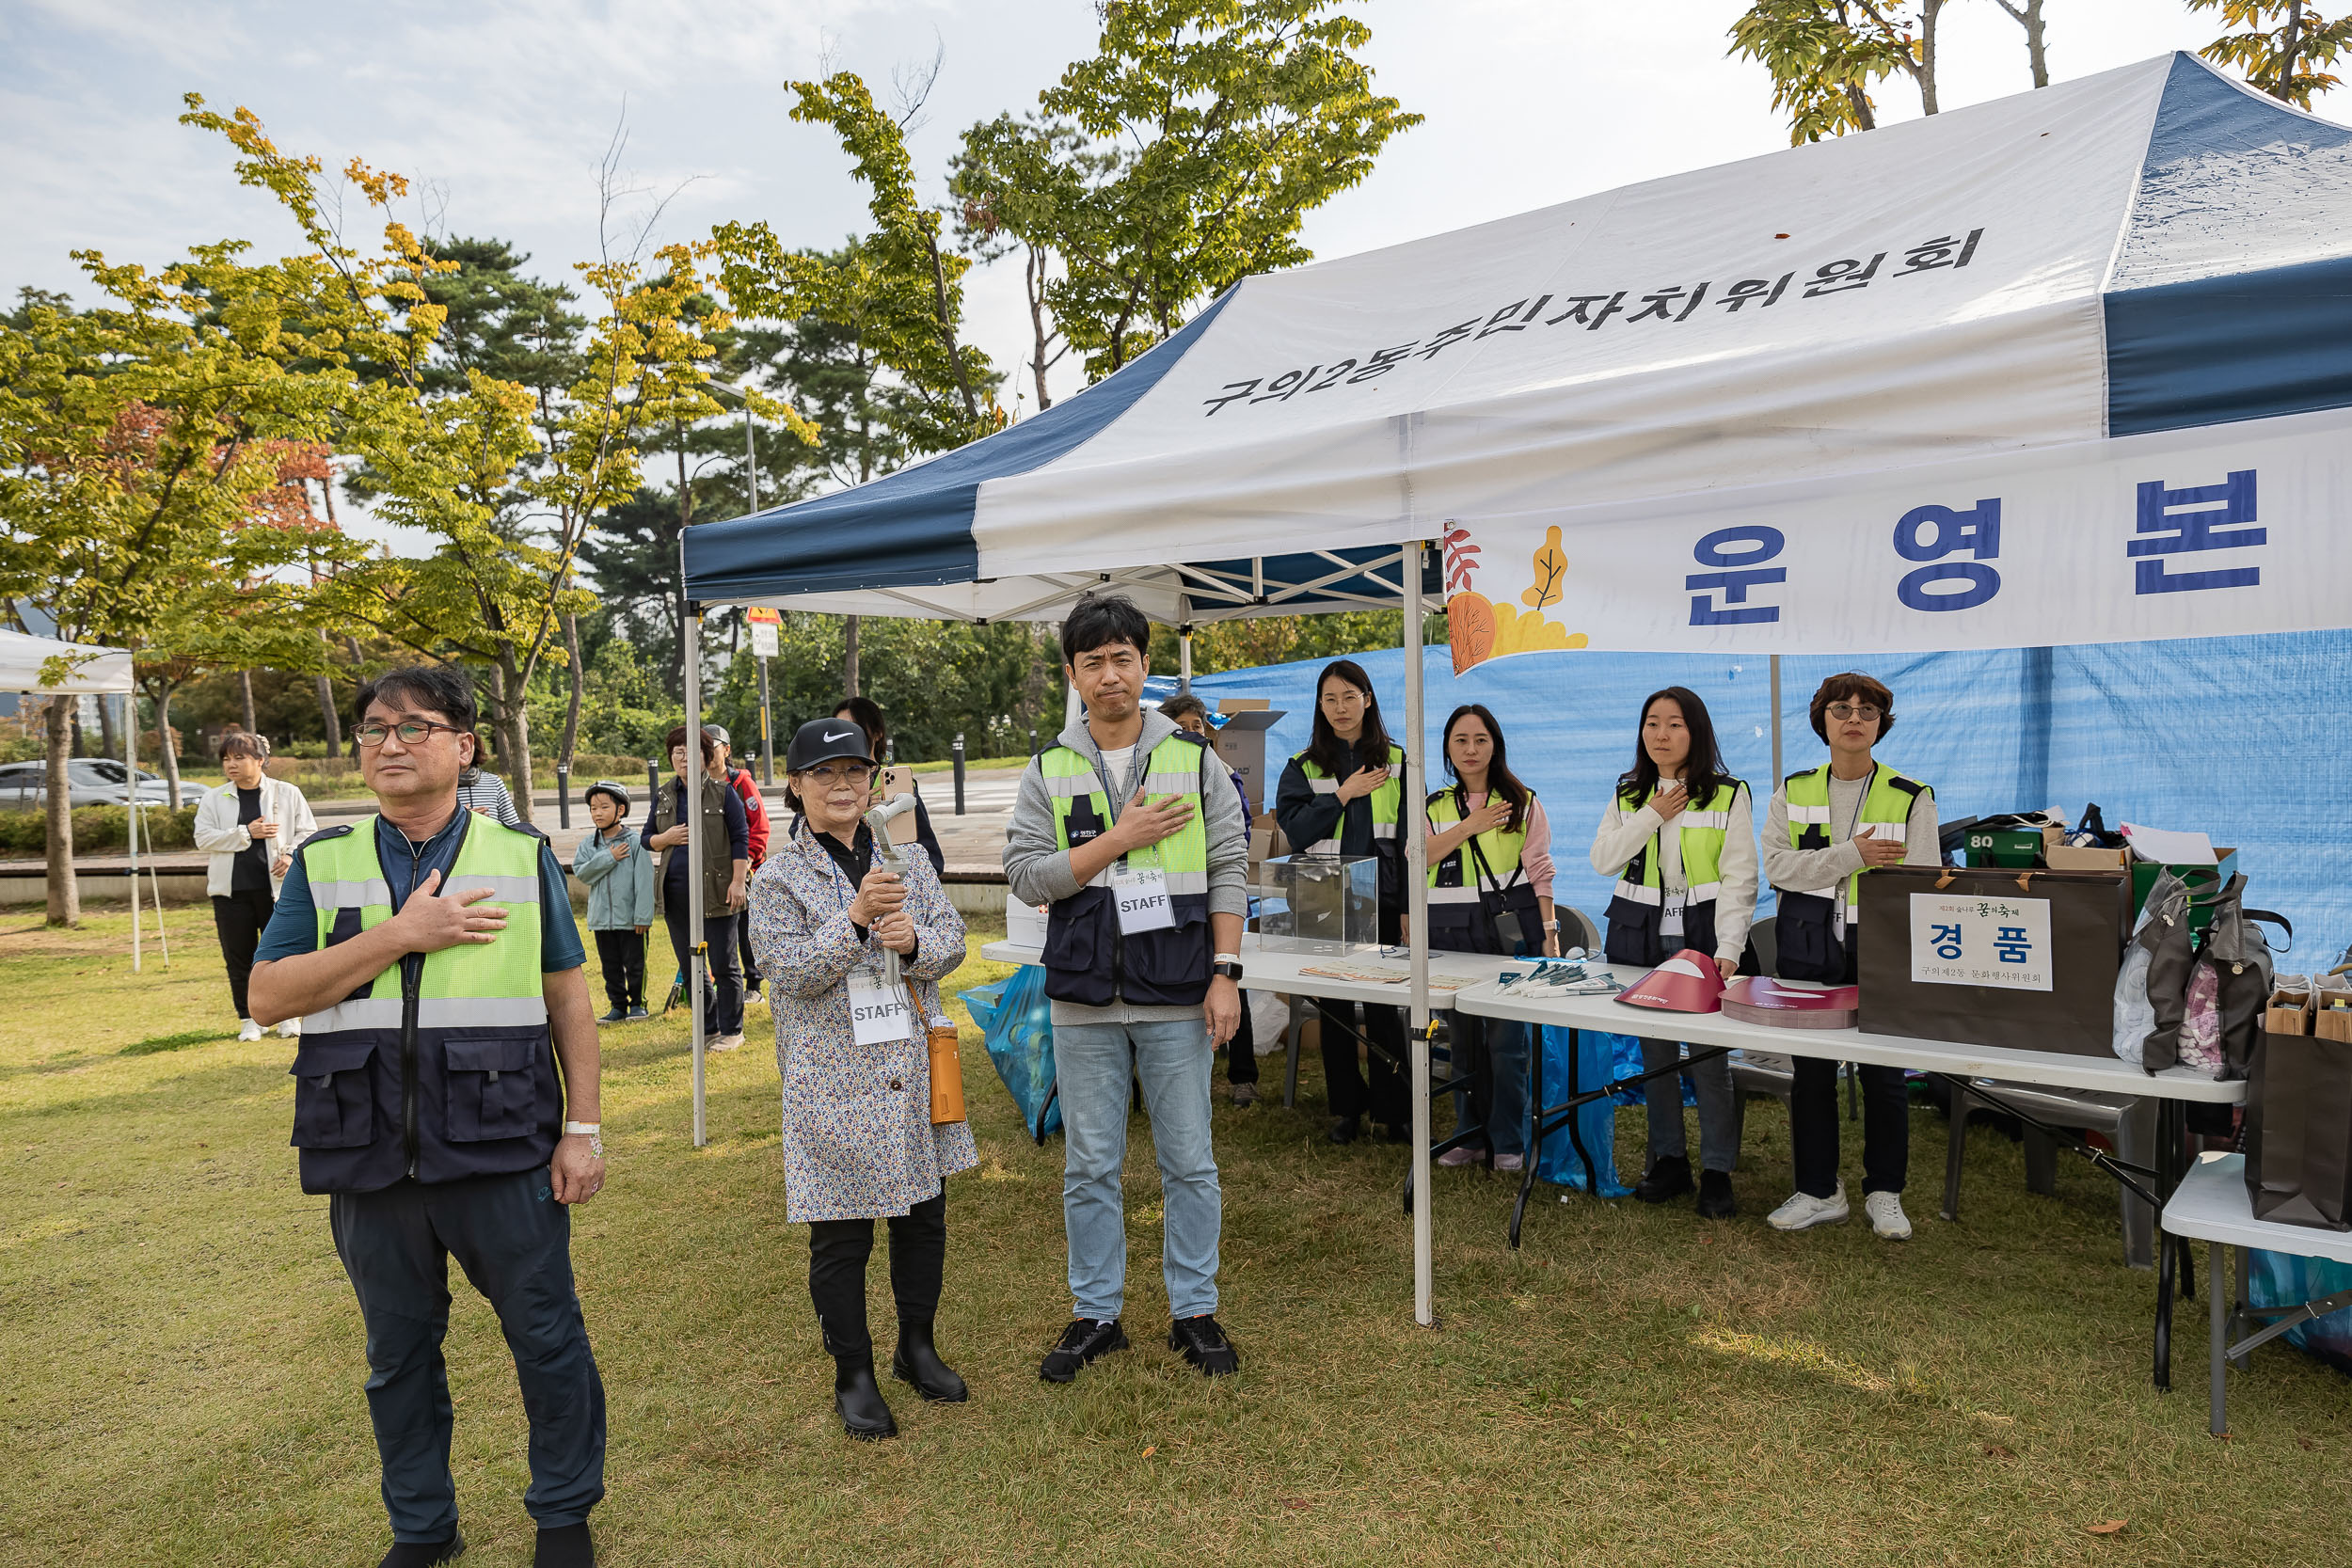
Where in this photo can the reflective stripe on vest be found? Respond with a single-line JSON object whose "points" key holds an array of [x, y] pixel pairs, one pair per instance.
{"points": [[1500, 848], [1386, 801], [1172, 769], [1887, 801], [479, 985], [1703, 825]]}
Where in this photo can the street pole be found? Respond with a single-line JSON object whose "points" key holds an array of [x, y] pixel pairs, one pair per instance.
{"points": [[959, 754], [767, 737]]}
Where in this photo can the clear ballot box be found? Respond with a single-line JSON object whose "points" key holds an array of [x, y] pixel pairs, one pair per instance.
{"points": [[1319, 903]]}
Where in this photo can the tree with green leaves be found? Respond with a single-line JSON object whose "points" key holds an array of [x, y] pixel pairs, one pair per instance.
{"points": [[1181, 157], [2280, 45], [1824, 57]]}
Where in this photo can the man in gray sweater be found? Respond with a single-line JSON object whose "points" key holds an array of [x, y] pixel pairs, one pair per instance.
{"points": [[1129, 831]]}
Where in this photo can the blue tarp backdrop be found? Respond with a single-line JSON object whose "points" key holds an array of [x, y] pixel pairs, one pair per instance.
{"points": [[2248, 738]]}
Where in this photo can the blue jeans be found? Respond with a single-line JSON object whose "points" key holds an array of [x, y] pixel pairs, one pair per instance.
{"points": [[514, 1240], [1719, 1110], [1498, 1054], [1094, 1065]]}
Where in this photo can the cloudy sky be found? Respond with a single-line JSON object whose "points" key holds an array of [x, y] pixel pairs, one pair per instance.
{"points": [[502, 109]]}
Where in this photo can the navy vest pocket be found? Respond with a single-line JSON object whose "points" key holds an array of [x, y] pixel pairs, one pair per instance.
{"points": [[1807, 945], [334, 1100], [1079, 931], [493, 1087], [1170, 968], [1632, 936]]}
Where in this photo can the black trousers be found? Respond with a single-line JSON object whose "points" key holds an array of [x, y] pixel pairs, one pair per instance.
{"points": [[1814, 1115], [743, 950], [239, 918], [622, 956], [837, 1252], [515, 1242], [1382, 1030], [722, 1010], [1241, 1051]]}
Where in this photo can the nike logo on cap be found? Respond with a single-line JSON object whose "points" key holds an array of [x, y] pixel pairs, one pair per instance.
{"points": [[830, 738]]}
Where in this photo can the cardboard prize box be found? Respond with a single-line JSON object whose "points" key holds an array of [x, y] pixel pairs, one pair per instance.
{"points": [[2021, 958]]}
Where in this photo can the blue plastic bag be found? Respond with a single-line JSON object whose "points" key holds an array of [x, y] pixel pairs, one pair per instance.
{"points": [[1596, 1123], [1016, 1021], [2282, 1279]]}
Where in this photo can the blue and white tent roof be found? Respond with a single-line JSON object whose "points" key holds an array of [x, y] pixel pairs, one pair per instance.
{"points": [[2154, 249]]}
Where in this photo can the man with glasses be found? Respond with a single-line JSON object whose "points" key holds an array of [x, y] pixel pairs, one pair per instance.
{"points": [[446, 1098], [1825, 828]]}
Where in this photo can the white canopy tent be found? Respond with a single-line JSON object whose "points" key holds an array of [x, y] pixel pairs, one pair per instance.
{"points": [[2113, 317]]}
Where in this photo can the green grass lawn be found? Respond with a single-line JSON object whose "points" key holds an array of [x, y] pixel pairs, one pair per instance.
{"points": [[183, 1357]]}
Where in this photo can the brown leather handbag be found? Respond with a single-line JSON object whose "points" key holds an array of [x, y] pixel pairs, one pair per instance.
{"points": [[939, 1035]]}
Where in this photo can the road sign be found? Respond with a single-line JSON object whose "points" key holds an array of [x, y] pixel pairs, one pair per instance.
{"points": [[760, 615], [763, 638]]}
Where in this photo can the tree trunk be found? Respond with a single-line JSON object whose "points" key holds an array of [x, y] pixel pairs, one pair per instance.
{"points": [[1928, 9], [108, 743], [1034, 275], [2034, 50], [2290, 44], [164, 748], [65, 894], [79, 741], [328, 718], [849, 656], [245, 694], [358, 678], [510, 719], [571, 712], [1861, 101]]}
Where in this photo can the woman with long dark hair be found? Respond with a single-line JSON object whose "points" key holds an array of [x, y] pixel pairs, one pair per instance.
{"points": [[1679, 837], [1342, 795], [1490, 873]]}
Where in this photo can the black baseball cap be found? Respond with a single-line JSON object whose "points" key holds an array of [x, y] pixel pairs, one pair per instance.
{"points": [[825, 740]]}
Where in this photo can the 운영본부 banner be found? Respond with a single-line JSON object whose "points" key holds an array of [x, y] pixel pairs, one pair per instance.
{"points": [[2217, 530]]}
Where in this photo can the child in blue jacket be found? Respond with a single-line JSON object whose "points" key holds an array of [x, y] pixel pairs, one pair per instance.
{"points": [[619, 871]]}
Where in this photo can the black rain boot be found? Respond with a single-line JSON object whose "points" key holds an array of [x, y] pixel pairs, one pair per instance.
{"points": [[918, 1363], [1669, 1178], [424, 1554], [858, 1400]]}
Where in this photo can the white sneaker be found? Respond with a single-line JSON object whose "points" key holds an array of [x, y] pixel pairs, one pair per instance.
{"points": [[724, 1042], [251, 1031], [1802, 1210], [290, 1030], [1886, 1216]]}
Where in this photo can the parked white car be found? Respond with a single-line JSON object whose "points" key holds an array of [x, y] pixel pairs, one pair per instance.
{"points": [[92, 781]]}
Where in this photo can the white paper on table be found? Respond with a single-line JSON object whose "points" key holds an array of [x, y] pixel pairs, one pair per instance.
{"points": [[2166, 847]]}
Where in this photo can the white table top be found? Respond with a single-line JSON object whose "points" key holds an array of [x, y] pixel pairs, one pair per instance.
{"points": [[2054, 1068], [2211, 1205], [1266, 969]]}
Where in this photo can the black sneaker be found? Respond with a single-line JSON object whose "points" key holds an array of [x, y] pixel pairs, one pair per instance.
{"points": [[1085, 1339], [638, 1015], [565, 1546], [1715, 1200], [617, 1016], [1344, 1130], [1669, 1178], [424, 1554], [1201, 1341]]}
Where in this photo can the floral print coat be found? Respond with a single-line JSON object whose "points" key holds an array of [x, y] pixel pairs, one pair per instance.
{"points": [[858, 1139]]}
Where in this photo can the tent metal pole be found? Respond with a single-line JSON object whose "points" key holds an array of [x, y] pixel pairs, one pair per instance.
{"points": [[131, 802], [1417, 934], [1777, 772], [690, 779], [1184, 657]]}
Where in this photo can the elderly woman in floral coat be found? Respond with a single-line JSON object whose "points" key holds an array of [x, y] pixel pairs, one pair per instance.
{"points": [[858, 1140]]}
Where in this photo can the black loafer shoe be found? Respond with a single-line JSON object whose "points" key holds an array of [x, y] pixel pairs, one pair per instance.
{"points": [[1668, 1179], [1715, 1200], [918, 1363], [565, 1546], [424, 1554], [1081, 1343], [1396, 1132], [1201, 1341], [1344, 1130], [864, 1414]]}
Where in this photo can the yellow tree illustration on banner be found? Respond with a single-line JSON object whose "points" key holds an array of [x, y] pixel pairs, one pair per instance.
{"points": [[1481, 628]]}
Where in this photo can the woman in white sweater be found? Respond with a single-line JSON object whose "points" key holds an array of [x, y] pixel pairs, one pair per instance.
{"points": [[250, 827], [1693, 887]]}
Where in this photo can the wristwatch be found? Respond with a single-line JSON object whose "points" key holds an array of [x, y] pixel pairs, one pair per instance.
{"points": [[592, 1131], [1229, 965]]}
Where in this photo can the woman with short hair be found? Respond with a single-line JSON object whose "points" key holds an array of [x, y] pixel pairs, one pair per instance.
{"points": [[250, 827], [859, 1141], [1827, 827]]}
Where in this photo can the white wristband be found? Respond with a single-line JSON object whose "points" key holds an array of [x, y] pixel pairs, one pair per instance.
{"points": [[589, 1129], [1225, 959]]}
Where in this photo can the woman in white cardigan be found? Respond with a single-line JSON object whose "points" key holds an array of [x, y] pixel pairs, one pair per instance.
{"points": [[250, 827]]}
